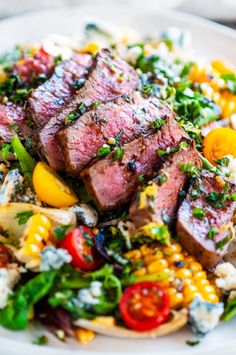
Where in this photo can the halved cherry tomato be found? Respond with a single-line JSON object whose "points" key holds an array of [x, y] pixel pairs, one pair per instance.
{"points": [[79, 244], [218, 143], [144, 306], [50, 188]]}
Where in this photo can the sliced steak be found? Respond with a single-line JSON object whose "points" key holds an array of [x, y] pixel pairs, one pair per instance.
{"points": [[48, 99], [109, 78], [206, 233], [81, 141], [12, 119], [112, 183], [158, 200]]}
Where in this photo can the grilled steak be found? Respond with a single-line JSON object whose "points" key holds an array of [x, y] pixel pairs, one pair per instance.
{"points": [[12, 118], [47, 100], [112, 183], [81, 141], [204, 224], [158, 200], [109, 78]]}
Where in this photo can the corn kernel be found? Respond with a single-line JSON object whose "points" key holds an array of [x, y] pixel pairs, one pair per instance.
{"points": [[150, 258], [211, 297], [134, 255], [174, 248], [84, 336], [200, 275], [183, 274], [157, 266], [41, 220], [145, 250], [189, 292], [107, 321], [140, 272], [175, 258], [195, 267]]}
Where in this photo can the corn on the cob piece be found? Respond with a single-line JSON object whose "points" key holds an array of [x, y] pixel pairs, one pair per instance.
{"points": [[185, 276]]}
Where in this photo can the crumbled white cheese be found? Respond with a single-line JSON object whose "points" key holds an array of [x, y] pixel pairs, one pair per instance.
{"points": [[230, 170], [54, 258], [204, 316], [8, 278], [8, 188], [85, 214], [89, 296], [226, 273]]}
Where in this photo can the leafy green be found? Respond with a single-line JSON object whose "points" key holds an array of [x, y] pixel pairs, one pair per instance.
{"points": [[24, 216], [15, 316], [27, 163], [230, 310], [65, 294], [230, 80]]}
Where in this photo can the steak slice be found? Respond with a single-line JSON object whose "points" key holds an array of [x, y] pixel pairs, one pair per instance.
{"points": [[47, 100], [112, 183], [81, 141], [158, 200], [12, 118], [195, 232], [109, 78]]}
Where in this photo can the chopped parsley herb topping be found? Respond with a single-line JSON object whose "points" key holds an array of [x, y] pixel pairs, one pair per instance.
{"points": [[218, 199], [104, 151], [158, 123], [190, 170], [118, 153], [141, 178], [212, 233], [96, 104], [223, 161], [82, 108], [6, 148], [60, 232], [70, 118], [198, 213], [162, 179], [41, 340], [220, 245], [104, 120], [24, 216]]}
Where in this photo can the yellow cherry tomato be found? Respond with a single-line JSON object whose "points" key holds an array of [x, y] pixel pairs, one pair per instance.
{"points": [[50, 188], [218, 143]]}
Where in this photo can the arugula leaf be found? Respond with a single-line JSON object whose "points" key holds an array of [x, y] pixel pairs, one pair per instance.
{"points": [[15, 316], [27, 163]]}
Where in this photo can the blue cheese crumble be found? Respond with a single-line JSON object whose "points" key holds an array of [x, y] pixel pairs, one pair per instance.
{"points": [[88, 297], [204, 316], [54, 258]]}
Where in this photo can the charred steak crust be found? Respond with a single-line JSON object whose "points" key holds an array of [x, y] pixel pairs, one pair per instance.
{"points": [[48, 99], [196, 234], [103, 84], [162, 201], [12, 119], [112, 184], [81, 141]]}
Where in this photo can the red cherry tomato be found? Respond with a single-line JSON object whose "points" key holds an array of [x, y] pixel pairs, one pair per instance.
{"points": [[144, 306], [79, 244]]}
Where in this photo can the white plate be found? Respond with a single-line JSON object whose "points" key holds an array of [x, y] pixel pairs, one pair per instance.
{"points": [[209, 40]]}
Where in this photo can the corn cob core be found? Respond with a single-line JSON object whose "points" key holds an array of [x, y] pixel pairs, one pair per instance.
{"points": [[186, 276]]}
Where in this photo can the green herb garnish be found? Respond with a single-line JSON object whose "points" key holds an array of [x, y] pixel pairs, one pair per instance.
{"points": [[104, 151], [24, 216], [198, 213]]}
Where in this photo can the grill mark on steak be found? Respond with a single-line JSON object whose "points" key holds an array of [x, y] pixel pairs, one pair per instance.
{"points": [[164, 200], [112, 184], [48, 99], [81, 141], [103, 84], [12, 116], [193, 233]]}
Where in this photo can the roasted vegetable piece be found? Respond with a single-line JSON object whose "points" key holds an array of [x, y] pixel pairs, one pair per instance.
{"points": [[144, 306], [79, 243], [219, 143], [50, 188]]}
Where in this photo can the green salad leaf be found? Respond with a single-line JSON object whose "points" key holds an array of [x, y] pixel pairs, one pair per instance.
{"points": [[15, 316]]}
